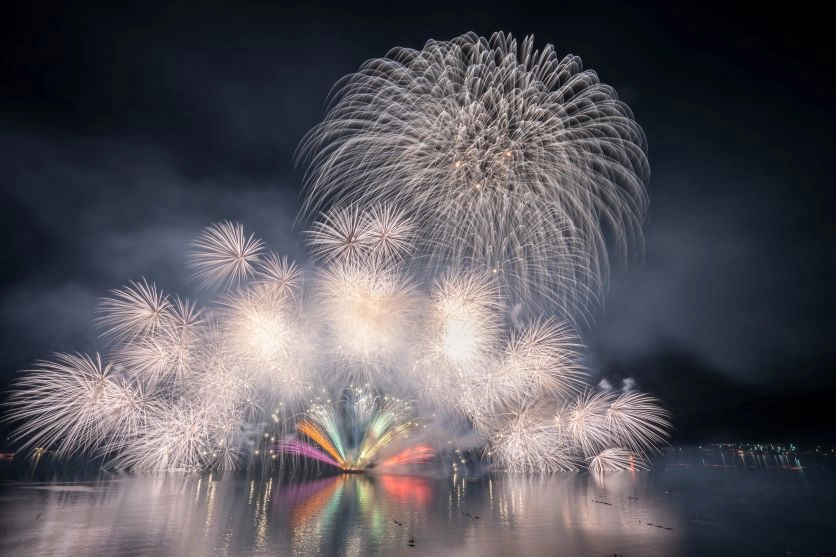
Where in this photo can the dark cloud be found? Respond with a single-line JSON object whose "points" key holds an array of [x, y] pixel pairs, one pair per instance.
{"points": [[90, 217], [725, 278], [709, 404], [124, 133]]}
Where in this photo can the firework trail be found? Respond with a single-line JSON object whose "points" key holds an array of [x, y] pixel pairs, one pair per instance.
{"points": [[446, 186]]}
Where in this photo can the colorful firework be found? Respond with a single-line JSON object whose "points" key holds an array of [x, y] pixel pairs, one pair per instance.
{"points": [[359, 432]]}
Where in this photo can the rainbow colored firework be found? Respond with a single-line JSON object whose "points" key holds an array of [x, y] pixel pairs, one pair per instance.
{"points": [[359, 432]]}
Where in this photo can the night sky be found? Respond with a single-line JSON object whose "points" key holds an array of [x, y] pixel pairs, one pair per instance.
{"points": [[122, 133]]}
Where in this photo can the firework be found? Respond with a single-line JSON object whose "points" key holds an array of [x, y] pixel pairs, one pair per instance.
{"points": [[389, 232], [583, 421], [339, 235], [615, 459], [166, 351], [526, 443], [224, 255], [355, 434], [74, 402], [638, 421], [543, 360], [134, 310], [460, 196], [509, 157], [367, 311], [280, 275]]}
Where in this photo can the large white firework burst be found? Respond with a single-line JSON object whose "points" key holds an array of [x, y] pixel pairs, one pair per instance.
{"points": [[165, 352], [74, 403], [465, 324], [510, 157], [526, 443], [367, 311]]}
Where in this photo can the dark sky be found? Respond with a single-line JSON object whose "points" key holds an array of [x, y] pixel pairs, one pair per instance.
{"points": [[123, 132]]}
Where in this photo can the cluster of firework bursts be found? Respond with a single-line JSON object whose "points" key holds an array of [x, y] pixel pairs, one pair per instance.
{"points": [[461, 197]]}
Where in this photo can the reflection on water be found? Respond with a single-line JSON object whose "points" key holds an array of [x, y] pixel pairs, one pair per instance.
{"points": [[681, 508]]}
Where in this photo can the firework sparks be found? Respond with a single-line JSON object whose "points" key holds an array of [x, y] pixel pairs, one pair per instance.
{"points": [[513, 158], [224, 255], [280, 274], [134, 310], [638, 421], [615, 459], [74, 402], [367, 311]]}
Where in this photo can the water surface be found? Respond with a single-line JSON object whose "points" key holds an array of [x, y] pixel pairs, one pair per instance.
{"points": [[690, 504]]}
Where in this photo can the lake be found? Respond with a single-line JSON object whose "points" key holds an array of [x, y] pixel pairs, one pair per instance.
{"points": [[693, 503]]}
